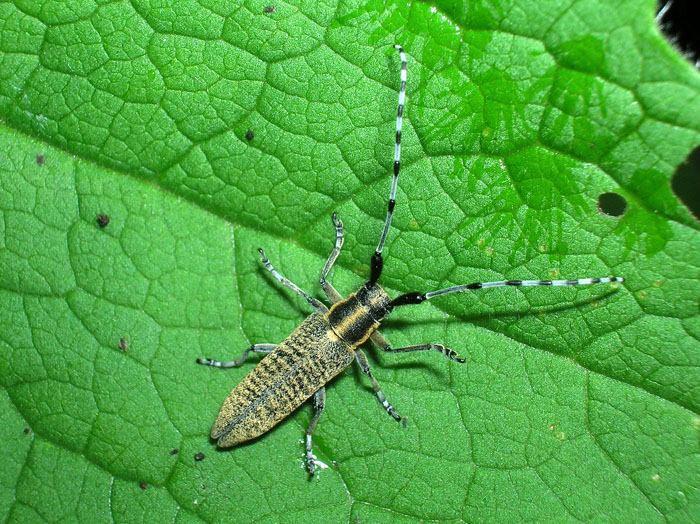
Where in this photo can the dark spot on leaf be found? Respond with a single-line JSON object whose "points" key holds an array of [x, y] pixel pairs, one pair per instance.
{"points": [[269, 9], [102, 220], [199, 456], [26, 431], [686, 182], [249, 135], [174, 451], [612, 204], [143, 485], [40, 159]]}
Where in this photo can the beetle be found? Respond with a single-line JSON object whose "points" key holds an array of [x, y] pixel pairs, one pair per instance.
{"points": [[329, 340]]}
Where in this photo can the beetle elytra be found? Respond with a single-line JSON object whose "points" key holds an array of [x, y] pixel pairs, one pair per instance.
{"points": [[328, 341]]}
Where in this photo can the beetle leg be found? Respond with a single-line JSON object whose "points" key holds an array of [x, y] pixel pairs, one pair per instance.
{"points": [[382, 344], [319, 404], [328, 288], [362, 361], [379, 341], [255, 348], [318, 306]]}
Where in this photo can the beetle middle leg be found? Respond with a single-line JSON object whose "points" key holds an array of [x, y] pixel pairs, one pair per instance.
{"points": [[328, 288], [318, 306], [319, 404], [362, 361], [382, 344], [255, 348]]}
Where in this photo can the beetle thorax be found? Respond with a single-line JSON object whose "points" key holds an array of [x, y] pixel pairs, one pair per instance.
{"points": [[355, 318]]}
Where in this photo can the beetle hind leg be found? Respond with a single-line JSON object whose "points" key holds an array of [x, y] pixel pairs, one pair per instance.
{"points": [[362, 361], [255, 348], [319, 404]]}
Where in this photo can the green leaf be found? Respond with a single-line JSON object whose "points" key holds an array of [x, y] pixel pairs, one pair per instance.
{"points": [[574, 404]]}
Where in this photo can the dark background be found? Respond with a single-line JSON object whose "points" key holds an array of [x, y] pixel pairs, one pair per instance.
{"points": [[680, 22]]}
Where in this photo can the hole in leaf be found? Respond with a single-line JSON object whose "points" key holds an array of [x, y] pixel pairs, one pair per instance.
{"points": [[612, 204], [678, 20], [686, 182]]}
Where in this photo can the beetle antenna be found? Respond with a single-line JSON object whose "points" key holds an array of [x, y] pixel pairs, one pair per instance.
{"points": [[377, 260], [417, 298]]}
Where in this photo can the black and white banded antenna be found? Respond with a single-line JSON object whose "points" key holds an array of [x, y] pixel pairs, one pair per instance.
{"points": [[416, 297], [377, 260]]}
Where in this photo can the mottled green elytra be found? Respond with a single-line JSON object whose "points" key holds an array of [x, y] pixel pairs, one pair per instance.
{"points": [[328, 341]]}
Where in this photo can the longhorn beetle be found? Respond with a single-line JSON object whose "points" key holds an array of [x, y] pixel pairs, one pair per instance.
{"points": [[328, 340]]}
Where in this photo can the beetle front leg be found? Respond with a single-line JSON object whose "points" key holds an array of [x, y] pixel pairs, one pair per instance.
{"points": [[362, 361], [255, 348], [319, 404], [328, 288], [379, 341]]}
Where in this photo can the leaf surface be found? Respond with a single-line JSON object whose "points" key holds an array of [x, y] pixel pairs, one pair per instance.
{"points": [[574, 404]]}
